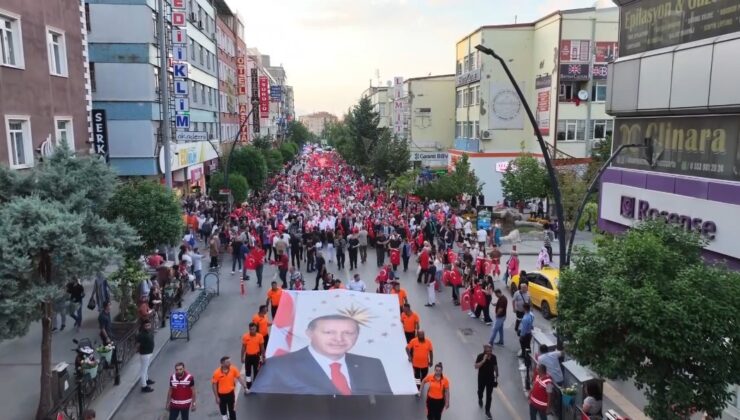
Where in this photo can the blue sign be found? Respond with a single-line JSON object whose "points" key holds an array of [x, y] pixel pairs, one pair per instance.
{"points": [[484, 219], [180, 70], [182, 121], [179, 321]]}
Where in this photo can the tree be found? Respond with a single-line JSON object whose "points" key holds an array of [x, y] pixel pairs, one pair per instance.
{"points": [[237, 184], [338, 136], [152, 210], [53, 232], [250, 162], [274, 160], [573, 188], [524, 179], [450, 186], [298, 133], [364, 133], [645, 306], [288, 151], [390, 157], [405, 183], [262, 142]]}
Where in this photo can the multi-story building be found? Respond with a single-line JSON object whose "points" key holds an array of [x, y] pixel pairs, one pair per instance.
{"points": [[229, 29], [124, 67], [316, 122], [428, 105], [381, 99], [45, 81], [560, 63]]}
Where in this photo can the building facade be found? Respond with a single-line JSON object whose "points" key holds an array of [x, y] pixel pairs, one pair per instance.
{"points": [[381, 98], [228, 30], [317, 122], [560, 62], [429, 114], [45, 80], [124, 67]]}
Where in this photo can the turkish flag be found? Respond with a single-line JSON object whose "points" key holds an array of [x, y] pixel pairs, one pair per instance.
{"points": [[250, 262], [395, 256], [446, 277], [382, 276], [455, 278], [451, 256], [465, 301]]}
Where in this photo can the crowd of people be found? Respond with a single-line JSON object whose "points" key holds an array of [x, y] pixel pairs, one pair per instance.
{"points": [[320, 212]]}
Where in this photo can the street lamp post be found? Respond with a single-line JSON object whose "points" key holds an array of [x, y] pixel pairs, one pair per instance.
{"points": [[647, 145], [545, 153]]}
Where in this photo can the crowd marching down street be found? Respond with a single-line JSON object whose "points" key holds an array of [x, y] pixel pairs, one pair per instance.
{"points": [[317, 214]]}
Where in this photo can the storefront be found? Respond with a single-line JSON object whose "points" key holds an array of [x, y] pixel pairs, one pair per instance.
{"points": [[190, 163], [674, 92]]}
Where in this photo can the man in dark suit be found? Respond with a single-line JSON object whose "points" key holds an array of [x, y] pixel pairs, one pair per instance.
{"points": [[325, 367]]}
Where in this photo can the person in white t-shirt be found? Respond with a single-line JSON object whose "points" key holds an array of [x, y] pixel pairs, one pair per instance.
{"points": [[482, 238], [468, 227], [356, 285]]}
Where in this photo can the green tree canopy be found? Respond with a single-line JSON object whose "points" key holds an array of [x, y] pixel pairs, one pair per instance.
{"points": [[152, 210], [573, 188], [52, 231], [389, 158], [288, 151], [250, 162], [237, 184], [645, 306], [404, 183], [525, 178], [262, 142], [298, 133], [451, 185], [274, 160]]}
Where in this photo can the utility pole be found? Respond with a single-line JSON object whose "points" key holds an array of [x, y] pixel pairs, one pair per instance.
{"points": [[164, 127]]}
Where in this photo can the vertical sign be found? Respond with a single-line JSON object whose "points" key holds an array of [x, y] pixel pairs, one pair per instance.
{"points": [[264, 86], [606, 52], [398, 105], [241, 75], [179, 54], [543, 86], [255, 94], [100, 133], [241, 86]]}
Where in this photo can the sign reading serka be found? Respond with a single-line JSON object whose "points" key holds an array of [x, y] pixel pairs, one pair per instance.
{"points": [[713, 220]]}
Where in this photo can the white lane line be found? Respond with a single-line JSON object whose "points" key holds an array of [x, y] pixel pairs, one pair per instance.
{"points": [[507, 404]]}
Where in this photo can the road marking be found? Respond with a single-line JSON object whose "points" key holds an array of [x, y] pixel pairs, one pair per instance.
{"points": [[507, 404], [629, 409]]}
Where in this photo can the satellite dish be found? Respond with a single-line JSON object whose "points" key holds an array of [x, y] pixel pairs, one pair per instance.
{"points": [[583, 95]]}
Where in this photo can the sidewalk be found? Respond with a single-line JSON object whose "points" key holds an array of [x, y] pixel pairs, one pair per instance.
{"points": [[532, 244], [20, 359]]}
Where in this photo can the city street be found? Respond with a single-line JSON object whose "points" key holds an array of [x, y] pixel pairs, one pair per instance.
{"points": [[457, 340]]}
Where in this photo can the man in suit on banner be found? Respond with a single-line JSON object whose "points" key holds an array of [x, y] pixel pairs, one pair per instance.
{"points": [[325, 366]]}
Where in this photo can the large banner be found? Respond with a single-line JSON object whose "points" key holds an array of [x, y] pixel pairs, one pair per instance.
{"points": [[697, 146], [543, 84], [336, 342], [651, 24], [506, 111]]}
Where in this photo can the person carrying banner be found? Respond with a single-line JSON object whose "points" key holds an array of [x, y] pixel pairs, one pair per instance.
{"points": [[421, 356], [253, 351]]}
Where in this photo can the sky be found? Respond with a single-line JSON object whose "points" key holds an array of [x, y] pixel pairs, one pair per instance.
{"points": [[332, 49]]}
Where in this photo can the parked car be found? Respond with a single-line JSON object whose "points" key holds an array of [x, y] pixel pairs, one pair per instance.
{"points": [[543, 289]]}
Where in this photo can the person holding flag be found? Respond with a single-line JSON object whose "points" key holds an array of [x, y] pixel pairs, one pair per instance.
{"points": [[255, 260]]}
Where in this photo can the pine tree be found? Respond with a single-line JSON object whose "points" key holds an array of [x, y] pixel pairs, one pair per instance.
{"points": [[53, 232]]}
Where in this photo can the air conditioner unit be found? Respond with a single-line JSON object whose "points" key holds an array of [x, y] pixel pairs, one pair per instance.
{"points": [[486, 135]]}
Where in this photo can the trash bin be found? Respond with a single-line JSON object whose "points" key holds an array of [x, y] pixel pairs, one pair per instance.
{"points": [[60, 385]]}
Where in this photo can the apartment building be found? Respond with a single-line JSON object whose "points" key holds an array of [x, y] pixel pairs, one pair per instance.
{"points": [[44, 77], [317, 122]]}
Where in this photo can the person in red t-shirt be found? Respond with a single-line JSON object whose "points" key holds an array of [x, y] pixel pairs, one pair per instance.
{"points": [[423, 264], [256, 258]]}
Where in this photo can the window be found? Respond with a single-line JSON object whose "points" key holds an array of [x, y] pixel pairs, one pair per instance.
{"points": [[57, 52], [458, 99], [569, 91], [598, 91], [11, 48], [192, 49], [458, 129], [474, 100], [208, 60], [381, 109], [458, 68], [200, 54], [476, 130], [203, 94], [18, 130], [466, 64], [63, 127], [87, 16], [571, 130], [93, 84], [600, 129], [194, 89], [155, 25]]}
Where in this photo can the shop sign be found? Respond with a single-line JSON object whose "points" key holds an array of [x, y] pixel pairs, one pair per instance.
{"points": [[574, 50], [467, 78], [713, 220], [690, 145], [100, 133], [504, 166], [606, 52], [600, 72], [188, 154], [420, 156], [241, 75], [264, 86], [651, 24], [574, 72]]}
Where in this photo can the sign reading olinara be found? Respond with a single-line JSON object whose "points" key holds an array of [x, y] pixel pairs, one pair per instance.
{"points": [[696, 146], [651, 24]]}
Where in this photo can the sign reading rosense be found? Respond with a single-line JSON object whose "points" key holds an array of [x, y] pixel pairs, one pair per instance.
{"points": [[716, 221]]}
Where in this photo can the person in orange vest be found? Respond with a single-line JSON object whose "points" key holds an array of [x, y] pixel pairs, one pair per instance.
{"points": [[421, 356], [540, 395], [224, 382], [253, 352], [410, 322], [438, 393], [181, 395], [402, 295], [263, 325], [273, 298]]}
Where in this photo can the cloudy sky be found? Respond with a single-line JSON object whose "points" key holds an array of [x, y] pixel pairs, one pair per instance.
{"points": [[331, 49]]}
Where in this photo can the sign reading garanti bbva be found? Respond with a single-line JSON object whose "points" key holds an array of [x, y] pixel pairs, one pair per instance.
{"points": [[703, 146]]}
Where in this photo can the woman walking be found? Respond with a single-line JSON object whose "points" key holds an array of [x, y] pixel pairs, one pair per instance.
{"points": [[438, 393]]}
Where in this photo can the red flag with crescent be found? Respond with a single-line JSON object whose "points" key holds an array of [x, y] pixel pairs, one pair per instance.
{"points": [[395, 256], [465, 301]]}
